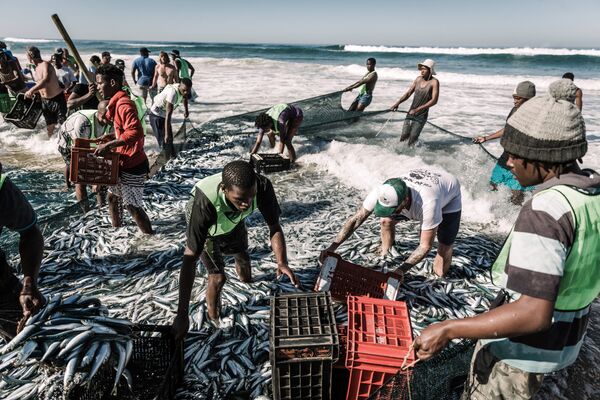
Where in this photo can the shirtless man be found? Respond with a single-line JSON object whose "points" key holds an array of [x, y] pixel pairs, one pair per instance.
{"points": [[427, 90], [10, 75], [578, 94], [165, 73], [54, 104]]}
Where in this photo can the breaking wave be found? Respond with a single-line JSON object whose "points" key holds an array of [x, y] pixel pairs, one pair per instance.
{"points": [[25, 40]]}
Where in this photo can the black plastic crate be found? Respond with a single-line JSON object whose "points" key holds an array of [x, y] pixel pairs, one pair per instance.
{"points": [[302, 380], [303, 328], [25, 113], [6, 103], [269, 162]]}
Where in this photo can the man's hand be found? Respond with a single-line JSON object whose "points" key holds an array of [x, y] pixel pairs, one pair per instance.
{"points": [[92, 88], [168, 139], [102, 150], [29, 94], [433, 339], [348, 89], [186, 114], [412, 112], [479, 139], [30, 298], [394, 107], [284, 269], [331, 249], [180, 326]]}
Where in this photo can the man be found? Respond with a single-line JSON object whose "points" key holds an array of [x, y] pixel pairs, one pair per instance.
{"points": [[11, 57], [426, 90], [162, 108], [432, 198], [366, 84], [184, 67], [579, 95], [501, 174], [65, 75], [10, 76], [145, 67], [128, 141], [54, 104], [283, 119], [548, 266], [82, 124], [215, 215], [121, 65], [164, 74], [17, 215], [105, 58], [94, 63], [83, 97], [68, 60]]}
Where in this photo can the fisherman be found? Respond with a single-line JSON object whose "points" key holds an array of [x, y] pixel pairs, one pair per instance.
{"points": [[162, 108], [501, 174], [184, 67], [215, 226], [17, 215], [430, 197], [54, 104], [65, 75], [91, 67], [426, 89], [83, 124], [83, 97], [105, 58], [366, 84], [128, 141], [144, 66], [121, 65], [283, 119], [164, 74], [10, 76], [579, 96], [548, 266], [68, 60]]}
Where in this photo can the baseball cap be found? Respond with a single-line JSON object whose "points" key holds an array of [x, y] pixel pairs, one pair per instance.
{"points": [[175, 52], [105, 54], [119, 62], [144, 50], [389, 196]]}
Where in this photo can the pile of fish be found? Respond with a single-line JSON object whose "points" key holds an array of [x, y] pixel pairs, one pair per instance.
{"points": [[136, 276], [73, 332]]}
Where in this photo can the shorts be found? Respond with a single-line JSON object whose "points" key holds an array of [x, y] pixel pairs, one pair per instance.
{"points": [[364, 99], [158, 127], [448, 229], [233, 242], [144, 89], [411, 129], [490, 378], [130, 188], [54, 110], [503, 176], [293, 125]]}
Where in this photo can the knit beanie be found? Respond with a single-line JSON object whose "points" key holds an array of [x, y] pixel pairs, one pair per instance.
{"points": [[547, 128]]}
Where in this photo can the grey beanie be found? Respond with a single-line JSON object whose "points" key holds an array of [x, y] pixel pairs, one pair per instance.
{"points": [[547, 128], [525, 89]]}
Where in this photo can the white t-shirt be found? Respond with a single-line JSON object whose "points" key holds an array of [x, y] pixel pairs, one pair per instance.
{"points": [[433, 194], [65, 76], [159, 105]]}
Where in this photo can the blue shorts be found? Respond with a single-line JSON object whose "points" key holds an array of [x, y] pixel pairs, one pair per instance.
{"points": [[364, 99], [503, 176]]}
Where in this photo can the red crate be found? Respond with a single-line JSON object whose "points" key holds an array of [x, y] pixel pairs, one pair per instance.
{"points": [[343, 279], [86, 168], [379, 334], [343, 343], [364, 383]]}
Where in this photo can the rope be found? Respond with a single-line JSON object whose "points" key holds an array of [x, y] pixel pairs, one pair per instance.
{"points": [[384, 124], [462, 137]]}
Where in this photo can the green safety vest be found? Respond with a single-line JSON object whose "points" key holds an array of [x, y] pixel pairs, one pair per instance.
{"points": [[184, 71], [274, 113], [179, 98], [89, 115], [580, 283], [227, 217]]}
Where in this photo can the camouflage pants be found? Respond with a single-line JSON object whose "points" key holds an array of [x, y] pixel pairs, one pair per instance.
{"points": [[492, 379]]}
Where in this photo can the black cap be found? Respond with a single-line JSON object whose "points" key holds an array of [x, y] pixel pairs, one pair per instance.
{"points": [[175, 52], [144, 50], [119, 62], [105, 54]]}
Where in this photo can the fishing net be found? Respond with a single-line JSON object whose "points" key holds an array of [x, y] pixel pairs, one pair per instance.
{"points": [[442, 377]]}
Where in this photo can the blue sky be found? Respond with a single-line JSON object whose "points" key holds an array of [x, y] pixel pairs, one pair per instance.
{"points": [[552, 23]]}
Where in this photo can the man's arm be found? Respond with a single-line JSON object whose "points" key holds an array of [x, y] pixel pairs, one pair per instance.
{"points": [[435, 94], [425, 244], [31, 249], [135, 68], [405, 96], [525, 316], [186, 111], [579, 99], [168, 126], [498, 134], [279, 249], [75, 100], [154, 78], [348, 229], [364, 80], [187, 274], [43, 82], [259, 139], [192, 70]]}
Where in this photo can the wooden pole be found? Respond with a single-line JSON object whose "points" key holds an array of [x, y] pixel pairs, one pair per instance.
{"points": [[82, 68]]}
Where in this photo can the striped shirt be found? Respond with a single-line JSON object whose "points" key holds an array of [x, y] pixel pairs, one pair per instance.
{"points": [[543, 235]]}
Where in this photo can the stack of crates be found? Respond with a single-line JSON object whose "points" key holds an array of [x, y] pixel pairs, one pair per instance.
{"points": [[343, 279], [304, 346], [379, 342]]}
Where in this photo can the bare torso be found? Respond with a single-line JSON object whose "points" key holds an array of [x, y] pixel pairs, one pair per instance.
{"points": [[166, 75], [51, 88]]}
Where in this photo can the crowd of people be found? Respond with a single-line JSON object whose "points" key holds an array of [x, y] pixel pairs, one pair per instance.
{"points": [[547, 268]]}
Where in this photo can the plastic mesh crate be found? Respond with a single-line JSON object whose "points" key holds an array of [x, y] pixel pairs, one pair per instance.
{"points": [[269, 162], [365, 383], [303, 327], [343, 279], [86, 168], [379, 334], [343, 342], [302, 380], [6, 103], [25, 113]]}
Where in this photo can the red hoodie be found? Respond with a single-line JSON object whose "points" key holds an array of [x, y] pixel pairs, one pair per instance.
{"points": [[123, 114]]}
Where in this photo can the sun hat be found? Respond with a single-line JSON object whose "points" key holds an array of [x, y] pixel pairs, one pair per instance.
{"points": [[429, 63], [389, 196], [547, 128]]}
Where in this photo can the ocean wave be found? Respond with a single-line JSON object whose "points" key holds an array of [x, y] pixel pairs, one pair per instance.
{"points": [[24, 40], [156, 44], [468, 51]]}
